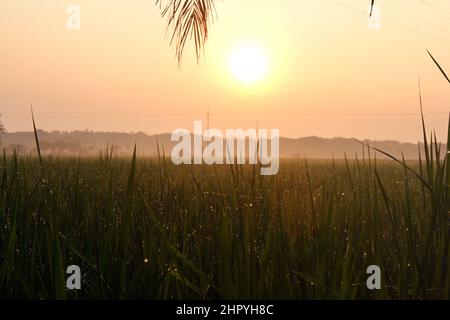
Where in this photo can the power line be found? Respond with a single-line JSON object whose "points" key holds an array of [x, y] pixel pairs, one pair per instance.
{"points": [[106, 116], [337, 114], [418, 17], [392, 22], [435, 8], [272, 115], [235, 114]]}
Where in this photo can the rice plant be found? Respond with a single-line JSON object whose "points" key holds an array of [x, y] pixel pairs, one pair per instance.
{"points": [[152, 230], [147, 229]]}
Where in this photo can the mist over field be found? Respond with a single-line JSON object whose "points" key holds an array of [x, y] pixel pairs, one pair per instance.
{"points": [[336, 187], [90, 143]]}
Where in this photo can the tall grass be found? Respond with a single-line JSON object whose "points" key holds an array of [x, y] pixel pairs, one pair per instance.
{"points": [[152, 230], [157, 231]]}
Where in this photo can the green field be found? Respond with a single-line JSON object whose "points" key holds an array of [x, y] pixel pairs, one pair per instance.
{"points": [[146, 229]]}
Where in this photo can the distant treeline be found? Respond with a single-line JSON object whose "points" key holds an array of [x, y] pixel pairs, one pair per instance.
{"points": [[90, 143]]}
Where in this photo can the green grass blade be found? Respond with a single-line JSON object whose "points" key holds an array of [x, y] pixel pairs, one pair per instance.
{"points": [[36, 137], [439, 66]]}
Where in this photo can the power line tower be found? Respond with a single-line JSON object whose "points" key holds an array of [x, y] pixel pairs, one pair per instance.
{"points": [[208, 114]]}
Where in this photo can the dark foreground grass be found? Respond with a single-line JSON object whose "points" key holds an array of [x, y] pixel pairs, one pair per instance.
{"points": [[147, 229]]}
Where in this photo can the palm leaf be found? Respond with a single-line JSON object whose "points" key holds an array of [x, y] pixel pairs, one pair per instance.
{"points": [[188, 20]]}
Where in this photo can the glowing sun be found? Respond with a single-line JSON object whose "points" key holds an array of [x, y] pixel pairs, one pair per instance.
{"points": [[248, 64]]}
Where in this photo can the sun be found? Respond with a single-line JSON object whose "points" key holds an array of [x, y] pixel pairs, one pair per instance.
{"points": [[248, 64]]}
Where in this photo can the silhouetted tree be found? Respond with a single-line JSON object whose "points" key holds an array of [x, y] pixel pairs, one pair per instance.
{"points": [[2, 129]]}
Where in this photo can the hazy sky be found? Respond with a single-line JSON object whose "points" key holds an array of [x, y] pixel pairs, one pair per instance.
{"points": [[328, 73]]}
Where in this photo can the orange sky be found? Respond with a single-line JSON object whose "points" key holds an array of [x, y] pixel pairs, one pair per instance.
{"points": [[329, 74]]}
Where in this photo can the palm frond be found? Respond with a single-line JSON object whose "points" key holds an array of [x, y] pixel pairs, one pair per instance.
{"points": [[187, 20]]}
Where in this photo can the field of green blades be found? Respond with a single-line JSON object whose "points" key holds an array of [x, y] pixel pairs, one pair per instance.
{"points": [[146, 229]]}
